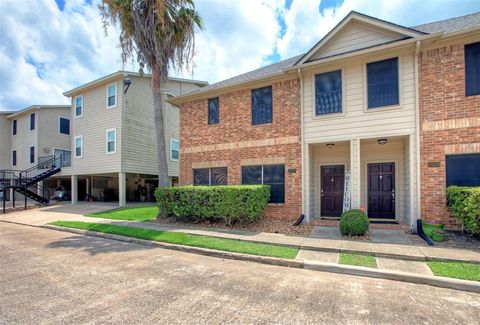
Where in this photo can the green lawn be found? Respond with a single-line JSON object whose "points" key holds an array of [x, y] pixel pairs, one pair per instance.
{"points": [[138, 214], [458, 270], [358, 260], [229, 245]]}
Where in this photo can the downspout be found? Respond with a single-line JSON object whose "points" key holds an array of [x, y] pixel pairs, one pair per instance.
{"points": [[302, 163], [417, 133]]}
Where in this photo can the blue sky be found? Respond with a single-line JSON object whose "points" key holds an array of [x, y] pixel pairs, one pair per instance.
{"points": [[50, 46]]}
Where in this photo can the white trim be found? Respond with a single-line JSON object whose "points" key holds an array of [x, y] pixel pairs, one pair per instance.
{"points": [[317, 179], [352, 16], [81, 147], [115, 141], [30, 154], [343, 80], [366, 109], [116, 95], [75, 106], [171, 141], [69, 128]]}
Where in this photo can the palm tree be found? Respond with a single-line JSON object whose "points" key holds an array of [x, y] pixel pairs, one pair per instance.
{"points": [[161, 34]]}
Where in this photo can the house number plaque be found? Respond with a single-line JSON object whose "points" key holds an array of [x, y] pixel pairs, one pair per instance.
{"points": [[433, 164]]}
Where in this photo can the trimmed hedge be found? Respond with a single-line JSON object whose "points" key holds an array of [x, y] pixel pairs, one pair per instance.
{"points": [[198, 203], [465, 206], [354, 222]]}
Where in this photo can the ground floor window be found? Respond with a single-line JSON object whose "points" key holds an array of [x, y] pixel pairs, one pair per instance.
{"points": [[273, 175], [210, 176], [463, 170]]}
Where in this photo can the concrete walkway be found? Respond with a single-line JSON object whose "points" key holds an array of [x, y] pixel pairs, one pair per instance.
{"points": [[42, 216]]}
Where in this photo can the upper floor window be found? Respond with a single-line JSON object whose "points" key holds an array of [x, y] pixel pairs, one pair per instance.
{"points": [[32, 154], [112, 95], [32, 121], [213, 110], [79, 146], [78, 106], [273, 175], [382, 83], [262, 105], [174, 149], [472, 69], [328, 93], [63, 125], [210, 176], [111, 140], [14, 127], [14, 158]]}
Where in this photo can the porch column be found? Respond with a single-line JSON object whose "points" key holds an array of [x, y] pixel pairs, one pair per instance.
{"points": [[122, 190], [306, 182], [74, 189], [87, 185], [414, 195], [355, 169]]}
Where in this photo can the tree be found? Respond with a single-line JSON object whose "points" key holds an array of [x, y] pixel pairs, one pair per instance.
{"points": [[161, 34]]}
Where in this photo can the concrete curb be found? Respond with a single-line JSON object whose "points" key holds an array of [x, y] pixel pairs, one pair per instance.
{"points": [[442, 282]]}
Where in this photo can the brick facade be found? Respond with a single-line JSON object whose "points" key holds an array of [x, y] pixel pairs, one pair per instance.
{"points": [[235, 142], [449, 123]]}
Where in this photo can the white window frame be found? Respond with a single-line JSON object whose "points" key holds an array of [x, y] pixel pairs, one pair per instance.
{"points": [[172, 140], [69, 128], [30, 154], [344, 91], [81, 147], [116, 95], [366, 109], [75, 106], [115, 141]]}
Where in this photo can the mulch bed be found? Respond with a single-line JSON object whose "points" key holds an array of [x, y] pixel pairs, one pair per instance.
{"points": [[263, 225]]}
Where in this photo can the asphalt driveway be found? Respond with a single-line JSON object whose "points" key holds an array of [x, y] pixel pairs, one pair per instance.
{"points": [[50, 277]]}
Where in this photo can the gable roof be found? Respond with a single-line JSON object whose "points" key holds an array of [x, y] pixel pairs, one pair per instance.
{"points": [[356, 16], [34, 108], [450, 25]]}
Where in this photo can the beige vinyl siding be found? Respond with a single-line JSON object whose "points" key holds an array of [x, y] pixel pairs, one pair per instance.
{"points": [[92, 126], [357, 121], [355, 36], [24, 139], [5, 139], [49, 136], [139, 127], [140, 145]]}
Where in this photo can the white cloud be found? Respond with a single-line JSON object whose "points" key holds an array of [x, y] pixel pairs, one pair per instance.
{"points": [[45, 51]]}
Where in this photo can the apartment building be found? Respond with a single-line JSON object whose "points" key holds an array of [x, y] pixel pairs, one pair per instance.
{"points": [[114, 148], [30, 139], [345, 114]]}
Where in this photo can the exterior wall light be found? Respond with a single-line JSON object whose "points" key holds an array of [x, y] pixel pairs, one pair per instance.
{"points": [[382, 141], [330, 145]]}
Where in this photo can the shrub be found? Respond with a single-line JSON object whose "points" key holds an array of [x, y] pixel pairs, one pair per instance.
{"points": [[354, 223], [214, 203], [465, 206]]}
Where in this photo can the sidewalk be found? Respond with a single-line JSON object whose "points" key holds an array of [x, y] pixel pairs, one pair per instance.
{"points": [[387, 251]]}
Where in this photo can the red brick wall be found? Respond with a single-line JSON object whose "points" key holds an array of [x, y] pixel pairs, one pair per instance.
{"points": [[442, 98], [242, 141]]}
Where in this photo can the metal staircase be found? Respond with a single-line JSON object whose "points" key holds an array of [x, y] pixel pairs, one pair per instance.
{"points": [[26, 182]]}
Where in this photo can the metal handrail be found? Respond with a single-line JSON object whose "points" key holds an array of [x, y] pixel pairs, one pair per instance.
{"points": [[51, 163]]}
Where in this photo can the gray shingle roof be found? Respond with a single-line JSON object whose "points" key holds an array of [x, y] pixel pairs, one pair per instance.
{"points": [[448, 25]]}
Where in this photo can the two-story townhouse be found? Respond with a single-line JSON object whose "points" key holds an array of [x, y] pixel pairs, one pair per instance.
{"points": [[349, 104], [449, 96], [31, 138], [114, 150]]}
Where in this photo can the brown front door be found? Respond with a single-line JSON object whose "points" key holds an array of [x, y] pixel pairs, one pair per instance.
{"points": [[381, 190], [332, 179]]}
